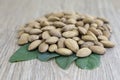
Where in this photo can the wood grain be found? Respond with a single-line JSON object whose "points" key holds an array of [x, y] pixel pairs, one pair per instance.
{"points": [[14, 13]]}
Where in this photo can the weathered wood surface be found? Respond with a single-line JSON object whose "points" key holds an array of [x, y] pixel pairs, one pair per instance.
{"points": [[17, 12]]}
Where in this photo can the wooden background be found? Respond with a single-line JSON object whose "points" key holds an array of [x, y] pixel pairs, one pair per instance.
{"points": [[17, 12]]}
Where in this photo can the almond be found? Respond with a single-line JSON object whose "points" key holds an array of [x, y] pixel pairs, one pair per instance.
{"points": [[71, 21], [33, 37], [20, 33], [106, 33], [43, 47], [53, 18], [99, 22], [76, 38], [64, 51], [23, 39], [34, 44], [82, 30], [27, 29], [55, 32], [52, 48], [44, 23], [101, 37], [98, 43], [86, 26], [46, 28], [98, 49], [69, 34], [71, 44], [51, 40], [92, 34], [45, 35], [83, 52], [69, 27], [35, 31], [88, 38], [80, 42], [95, 31], [108, 44], [61, 43], [59, 24], [87, 44], [94, 25], [79, 23]]}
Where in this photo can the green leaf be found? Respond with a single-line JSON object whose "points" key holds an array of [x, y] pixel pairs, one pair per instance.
{"points": [[22, 54], [65, 61], [47, 56], [89, 62]]}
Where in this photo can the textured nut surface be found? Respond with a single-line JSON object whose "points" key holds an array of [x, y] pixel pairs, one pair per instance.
{"points": [[61, 43], [45, 35], [82, 30], [98, 49], [33, 37], [35, 31], [71, 44], [52, 40], [69, 34], [52, 48], [88, 38], [46, 28], [108, 44], [64, 51], [34, 44], [83, 52], [55, 32], [68, 27], [23, 39], [59, 24], [87, 44], [101, 37], [43, 47]]}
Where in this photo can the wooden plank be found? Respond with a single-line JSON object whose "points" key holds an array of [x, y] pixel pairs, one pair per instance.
{"points": [[17, 12]]}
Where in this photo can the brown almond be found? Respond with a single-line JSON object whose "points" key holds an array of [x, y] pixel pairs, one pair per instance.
{"points": [[51, 40], [64, 51], [43, 47], [23, 39], [55, 32], [52, 48], [33, 37], [83, 52], [61, 43], [35, 31], [45, 35], [82, 30], [108, 44], [87, 44], [71, 44], [34, 44], [98, 49], [69, 34]]}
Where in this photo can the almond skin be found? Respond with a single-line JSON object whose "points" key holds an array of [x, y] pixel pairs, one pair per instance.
{"points": [[98, 49], [34, 44], [69, 34], [43, 47], [83, 52], [64, 51], [33, 37], [52, 48], [72, 45], [52, 40], [61, 43], [55, 32], [23, 39], [45, 35], [108, 44]]}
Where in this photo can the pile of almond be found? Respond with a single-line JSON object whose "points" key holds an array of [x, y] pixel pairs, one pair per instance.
{"points": [[67, 33]]}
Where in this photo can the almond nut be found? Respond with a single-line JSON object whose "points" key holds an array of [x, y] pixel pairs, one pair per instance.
{"points": [[52, 48], [72, 45], [83, 52], [108, 44], [51, 40], [61, 43], [43, 47], [45, 35], [64, 51], [55, 32], [98, 49], [23, 39]]}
